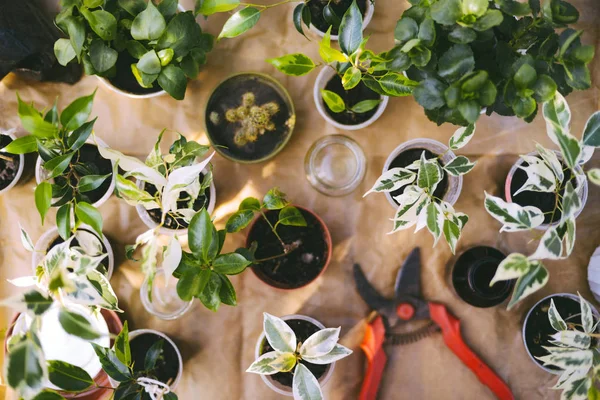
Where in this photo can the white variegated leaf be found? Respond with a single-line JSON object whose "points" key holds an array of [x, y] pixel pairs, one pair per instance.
{"points": [[556, 321], [594, 176], [320, 343], [23, 281], [393, 179], [89, 242], [155, 159], [272, 362], [133, 195], [587, 152], [185, 213], [577, 389], [334, 355], [171, 258], [57, 257], [421, 221], [452, 232], [579, 340], [149, 259], [430, 174], [461, 137], [513, 216], [279, 335], [26, 240], [414, 166], [407, 215], [435, 220], [587, 317], [178, 180], [568, 358], [540, 177], [568, 376], [571, 203], [557, 242], [552, 161], [558, 116], [533, 280], [459, 166], [133, 166], [93, 289], [305, 386]]}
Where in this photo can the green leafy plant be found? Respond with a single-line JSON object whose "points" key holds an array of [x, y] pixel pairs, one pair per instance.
{"points": [[320, 348], [170, 46], [58, 138], [417, 204], [546, 174], [336, 104], [575, 352], [501, 56]]}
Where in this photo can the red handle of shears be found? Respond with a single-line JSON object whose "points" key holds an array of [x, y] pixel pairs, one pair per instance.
{"points": [[453, 339], [372, 346]]}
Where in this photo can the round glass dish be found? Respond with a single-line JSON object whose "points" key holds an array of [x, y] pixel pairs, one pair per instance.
{"points": [[165, 303], [335, 165]]}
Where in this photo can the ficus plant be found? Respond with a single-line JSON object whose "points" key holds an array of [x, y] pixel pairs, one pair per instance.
{"points": [[288, 355], [548, 171], [58, 138], [417, 204], [575, 351], [169, 46], [503, 56]]}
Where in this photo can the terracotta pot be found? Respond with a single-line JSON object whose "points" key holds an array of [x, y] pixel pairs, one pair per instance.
{"points": [[327, 238]]}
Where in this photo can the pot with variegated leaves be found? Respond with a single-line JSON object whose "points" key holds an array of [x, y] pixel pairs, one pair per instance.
{"points": [[546, 190], [296, 354], [422, 179]]}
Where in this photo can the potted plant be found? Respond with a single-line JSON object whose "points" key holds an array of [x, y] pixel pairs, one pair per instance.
{"points": [[144, 363], [351, 93], [423, 180], [567, 346], [290, 246], [11, 166], [249, 118], [295, 355], [136, 47], [70, 171], [558, 176], [502, 56]]}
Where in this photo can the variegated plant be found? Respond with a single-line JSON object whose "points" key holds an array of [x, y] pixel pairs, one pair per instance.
{"points": [[417, 204], [171, 174], [575, 353], [546, 173], [320, 348]]}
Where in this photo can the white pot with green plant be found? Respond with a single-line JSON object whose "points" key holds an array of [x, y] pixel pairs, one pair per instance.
{"points": [[11, 166]]}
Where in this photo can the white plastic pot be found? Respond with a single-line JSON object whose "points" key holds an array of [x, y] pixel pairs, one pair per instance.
{"points": [[582, 191], [41, 174], [454, 182], [594, 274], [150, 223], [273, 384], [322, 79], [10, 133], [369, 11], [41, 248]]}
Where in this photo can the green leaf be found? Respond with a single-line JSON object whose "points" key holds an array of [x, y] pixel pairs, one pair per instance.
{"points": [[172, 79], [149, 63], [329, 54], [365, 106], [298, 11], [63, 221], [524, 106], [33, 122], [149, 24], [333, 101], [240, 22], [165, 56], [79, 136], [429, 174], [227, 292], [274, 200], [68, 377], [470, 110], [446, 12], [427, 33], [192, 283], [76, 113], [491, 19], [544, 88], [22, 145], [182, 35], [58, 165], [525, 76], [209, 7], [293, 64], [462, 35], [397, 85], [474, 7], [133, 7], [239, 220], [406, 29], [25, 367], [136, 49], [330, 16], [48, 395], [43, 198], [230, 264], [153, 354], [515, 8], [88, 214], [351, 78], [91, 182], [291, 216], [102, 22], [200, 235], [111, 364], [459, 166], [210, 295], [532, 281], [430, 94], [591, 132], [76, 31], [77, 325], [168, 8], [250, 203], [64, 51], [102, 57], [350, 32], [121, 346], [456, 62]]}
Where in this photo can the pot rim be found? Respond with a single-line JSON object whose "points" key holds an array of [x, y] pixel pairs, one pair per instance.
{"points": [[41, 247], [369, 11], [581, 192], [94, 141], [164, 316], [10, 133], [327, 238], [286, 97], [275, 386], [455, 183], [150, 223], [322, 78]]}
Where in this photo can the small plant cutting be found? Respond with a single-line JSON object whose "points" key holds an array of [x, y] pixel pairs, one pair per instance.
{"points": [[417, 204], [558, 176], [575, 351], [74, 175], [502, 56], [137, 45], [283, 353]]}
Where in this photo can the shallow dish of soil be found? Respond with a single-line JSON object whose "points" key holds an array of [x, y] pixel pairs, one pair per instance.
{"points": [[472, 273], [9, 164], [303, 330], [249, 117], [167, 366], [124, 79], [339, 8], [351, 97], [300, 266]]}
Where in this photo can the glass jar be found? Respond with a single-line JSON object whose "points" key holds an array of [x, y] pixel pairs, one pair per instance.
{"points": [[162, 300]]}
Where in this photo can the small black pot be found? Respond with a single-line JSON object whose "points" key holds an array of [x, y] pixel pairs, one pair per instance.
{"points": [[10, 171], [339, 8], [169, 366]]}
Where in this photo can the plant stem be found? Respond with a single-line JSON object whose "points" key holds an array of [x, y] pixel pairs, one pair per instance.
{"points": [[275, 232], [267, 6], [6, 158]]}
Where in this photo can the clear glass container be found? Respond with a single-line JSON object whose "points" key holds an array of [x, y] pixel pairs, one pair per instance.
{"points": [[335, 165], [165, 303]]}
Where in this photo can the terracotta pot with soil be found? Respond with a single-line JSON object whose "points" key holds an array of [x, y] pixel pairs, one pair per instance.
{"points": [[11, 165], [249, 118], [328, 79], [308, 255], [448, 189], [303, 327], [319, 25]]}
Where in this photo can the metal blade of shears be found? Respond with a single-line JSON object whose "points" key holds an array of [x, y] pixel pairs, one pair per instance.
{"points": [[408, 280], [369, 294]]}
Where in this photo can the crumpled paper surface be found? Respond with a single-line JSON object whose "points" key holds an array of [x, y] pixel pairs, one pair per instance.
{"points": [[218, 347]]}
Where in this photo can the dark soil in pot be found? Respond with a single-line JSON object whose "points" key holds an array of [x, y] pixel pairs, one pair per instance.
{"points": [[167, 365], [339, 8], [542, 200], [472, 274], [94, 165], [172, 222], [538, 329], [409, 156], [249, 117], [103, 267], [300, 266], [8, 169], [124, 78], [351, 97], [303, 330]]}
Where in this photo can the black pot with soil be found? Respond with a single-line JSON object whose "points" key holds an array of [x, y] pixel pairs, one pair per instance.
{"points": [[351, 97], [339, 7], [10, 164], [308, 257], [249, 118], [472, 273], [124, 79], [168, 366]]}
